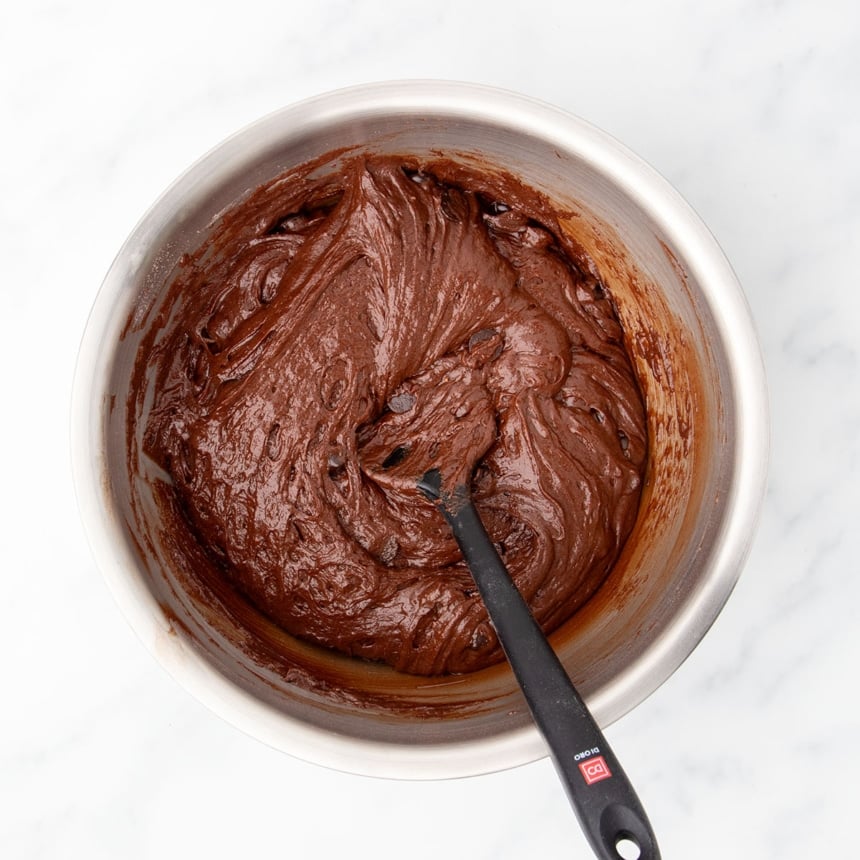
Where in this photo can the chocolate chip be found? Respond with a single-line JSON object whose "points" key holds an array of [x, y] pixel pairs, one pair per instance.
{"points": [[479, 639], [480, 336], [492, 207], [311, 214], [389, 550], [396, 457], [402, 402], [416, 175], [291, 223], [481, 352], [336, 466]]}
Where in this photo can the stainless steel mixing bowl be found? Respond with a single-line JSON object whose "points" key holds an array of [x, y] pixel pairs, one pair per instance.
{"points": [[698, 361]]}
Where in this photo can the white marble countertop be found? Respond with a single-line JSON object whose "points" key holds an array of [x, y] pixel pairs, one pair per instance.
{"points": [[752, 109]]}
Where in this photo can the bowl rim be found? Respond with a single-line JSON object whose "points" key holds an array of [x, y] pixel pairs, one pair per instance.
{"points": [[648, 189]]}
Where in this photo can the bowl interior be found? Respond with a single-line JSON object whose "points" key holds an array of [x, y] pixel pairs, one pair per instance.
{"points": [[673, 574]]}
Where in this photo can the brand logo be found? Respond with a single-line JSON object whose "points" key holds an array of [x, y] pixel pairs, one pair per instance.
{"points": [[595, 769]]}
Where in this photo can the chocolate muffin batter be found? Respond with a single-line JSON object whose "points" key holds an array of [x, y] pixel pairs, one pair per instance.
{"points": [[348, 326]]}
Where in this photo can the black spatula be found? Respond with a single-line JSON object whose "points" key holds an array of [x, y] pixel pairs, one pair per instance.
{"points": [[608, 809]]}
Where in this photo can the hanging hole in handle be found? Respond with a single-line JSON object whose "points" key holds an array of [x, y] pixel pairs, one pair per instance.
{"points": [[627, 848]]}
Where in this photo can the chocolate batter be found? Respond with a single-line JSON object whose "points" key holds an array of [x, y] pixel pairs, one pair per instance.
{"points": [[348, 326]]}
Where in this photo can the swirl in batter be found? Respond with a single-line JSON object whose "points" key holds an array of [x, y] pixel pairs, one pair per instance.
{"points": [[337, 336]]}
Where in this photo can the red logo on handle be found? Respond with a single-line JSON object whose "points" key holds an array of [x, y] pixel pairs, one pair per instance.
{"points": [[595, 769]]}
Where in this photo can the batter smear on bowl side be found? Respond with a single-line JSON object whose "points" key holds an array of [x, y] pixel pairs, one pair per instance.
{"points": [[342, 328]]}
